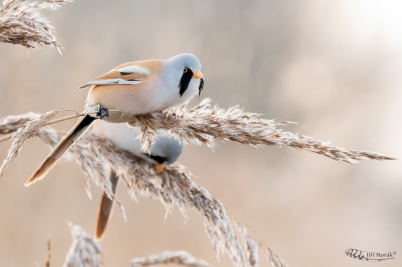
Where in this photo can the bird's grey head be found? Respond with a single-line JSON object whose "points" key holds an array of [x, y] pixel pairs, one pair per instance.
{"points": [[188, 68], [165, 150]]}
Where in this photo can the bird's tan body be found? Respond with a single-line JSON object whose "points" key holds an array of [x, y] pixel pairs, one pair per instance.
{"points": [[129, 98], [133, 88]]}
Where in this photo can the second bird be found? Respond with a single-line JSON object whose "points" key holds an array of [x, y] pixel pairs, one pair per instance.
{"points": [[163, 152]]}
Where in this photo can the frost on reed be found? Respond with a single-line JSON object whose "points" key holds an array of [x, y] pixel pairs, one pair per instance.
{"points": [[84, 251], [203, 124], [180, 257], [172, 187], [21, 23]]}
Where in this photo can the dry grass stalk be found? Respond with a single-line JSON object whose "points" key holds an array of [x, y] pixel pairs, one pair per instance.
{"points": [[173, 186], [180, 257], [9, 136], [252, 248], [84, 251], [49, 252], [12, 123], [274, 259], [35, 126], [22, 134], [21, 23], [203, 124]]}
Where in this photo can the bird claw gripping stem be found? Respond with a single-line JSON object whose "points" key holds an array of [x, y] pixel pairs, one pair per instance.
{"points": [[101, 111], [97, 111]]}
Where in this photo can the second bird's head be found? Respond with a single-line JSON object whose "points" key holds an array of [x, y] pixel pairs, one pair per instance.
{"points": [[165, 150], [185, 69]]}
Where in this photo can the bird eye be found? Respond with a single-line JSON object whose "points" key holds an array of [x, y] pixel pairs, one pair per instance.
{"points": [[185, 70]]}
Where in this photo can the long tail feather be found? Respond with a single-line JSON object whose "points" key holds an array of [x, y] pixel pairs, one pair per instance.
{"points": [[62, 147], [105, 209]]}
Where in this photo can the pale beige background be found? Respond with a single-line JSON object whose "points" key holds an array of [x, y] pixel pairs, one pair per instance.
{"points": [[333, 66]]}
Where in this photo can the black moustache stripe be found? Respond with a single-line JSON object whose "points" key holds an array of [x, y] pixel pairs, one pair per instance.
{"points": [[201, 86], [184, 81], [158, 159]]}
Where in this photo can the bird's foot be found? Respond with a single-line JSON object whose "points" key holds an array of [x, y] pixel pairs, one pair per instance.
{"points": [[101, 111]]}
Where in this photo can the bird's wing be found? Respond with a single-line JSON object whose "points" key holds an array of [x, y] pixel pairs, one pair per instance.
{"points": [[105, 209], [129, 73], [62, 147]]}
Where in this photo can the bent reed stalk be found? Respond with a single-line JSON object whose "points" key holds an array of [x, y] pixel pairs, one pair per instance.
{"points": [[201, 124], [95, 155]]}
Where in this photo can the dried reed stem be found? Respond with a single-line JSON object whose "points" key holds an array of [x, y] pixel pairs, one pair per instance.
{"points": [[252, 248], [203, 124], [12, 123], [31, 124], [180, 257], [9, 136], [21, 23], [49, 252], [173, 186], [84, 251], [274, 259], [22, 134]]}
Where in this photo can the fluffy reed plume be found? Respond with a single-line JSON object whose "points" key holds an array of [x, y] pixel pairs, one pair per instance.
{"points": [[203, 124], [84, 251], [21, 23], [172, 186], [31, 124], [252, 248], [12, 123], [180, 257], [29, 130], [274, 259]]}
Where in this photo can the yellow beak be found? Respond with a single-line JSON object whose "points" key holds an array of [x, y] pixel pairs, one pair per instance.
{"points": [[197, 75]]}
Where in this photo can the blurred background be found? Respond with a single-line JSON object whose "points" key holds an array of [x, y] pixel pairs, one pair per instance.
{"points": [[332, 66]]}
